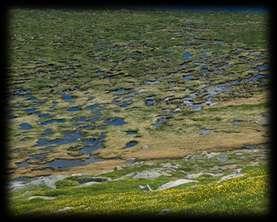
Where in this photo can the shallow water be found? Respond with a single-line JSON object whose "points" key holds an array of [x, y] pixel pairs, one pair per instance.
{"points": [[47, 132], [150, 101], [263, 67], [160, 121], [74, 109], [68, 138], [122, 102], [187, 56], [95, 108], [115, 121], [67, 97], [25, 126], [131, 132], [187, 77], [50, 121], [131, 143], [30, 111], [195, 107], [67, 163], [80, 119], [151, 82], [21, 92], [121, 91], [23, 164], [44, 115], [92, 144], [204, 132], [255, 78], [38, 156]]}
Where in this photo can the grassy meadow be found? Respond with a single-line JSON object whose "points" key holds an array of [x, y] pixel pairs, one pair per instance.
{"points": [[134, 112]]}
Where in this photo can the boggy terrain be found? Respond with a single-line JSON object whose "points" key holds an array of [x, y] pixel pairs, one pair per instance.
{"points": [[104, 93]]}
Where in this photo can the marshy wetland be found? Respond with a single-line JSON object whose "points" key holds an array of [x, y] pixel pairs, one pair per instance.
{"points": [[132, 111]]}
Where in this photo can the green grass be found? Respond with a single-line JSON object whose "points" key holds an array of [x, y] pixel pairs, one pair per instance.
{"points": [[245, 195], [91, 52]]}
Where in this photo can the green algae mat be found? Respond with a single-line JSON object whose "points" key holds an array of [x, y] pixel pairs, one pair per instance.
{"points": [[138, 112]]}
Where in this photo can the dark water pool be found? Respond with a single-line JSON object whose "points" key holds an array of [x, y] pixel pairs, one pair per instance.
{"points": [[68, 138], [121, 91], [30, 111], [263, 67], [187, 77], [92, 144], [67, 97], [150, 101], [187, 56], [25, 126], [44, 115], [22, 164], [69, 163], [131, 132], [50, 121], [255, 78], [47, 132], [115, 121], [122, 102], [74, 109], [131, 143]]}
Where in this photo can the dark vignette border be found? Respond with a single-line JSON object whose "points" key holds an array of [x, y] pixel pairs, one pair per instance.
{"points": [[118, 4]]}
